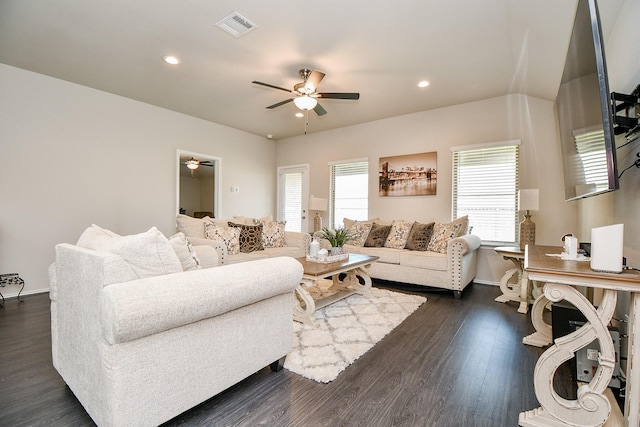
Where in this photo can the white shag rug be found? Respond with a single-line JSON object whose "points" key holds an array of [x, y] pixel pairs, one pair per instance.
{"points": [[346, 330]]}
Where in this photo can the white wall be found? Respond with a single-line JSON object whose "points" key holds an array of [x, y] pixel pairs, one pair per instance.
{"points": [[71, 156], [531, 120]]}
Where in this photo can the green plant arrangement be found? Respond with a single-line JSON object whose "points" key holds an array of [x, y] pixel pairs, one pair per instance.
{"points": [[338, 237]]}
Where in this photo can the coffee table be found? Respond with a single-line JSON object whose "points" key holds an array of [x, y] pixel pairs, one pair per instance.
{"points": [[316, 292]]}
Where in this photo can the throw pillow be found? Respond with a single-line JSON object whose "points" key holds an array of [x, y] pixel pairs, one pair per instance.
{"points": [[348, 223], [149, 254], [464, 225], [420, 236], [94, 237], [398, 234], [273, 234], [190, 226], [250, 237], [442, 233], [185, 252], [377, 235], [228, 236], [359, 231]]}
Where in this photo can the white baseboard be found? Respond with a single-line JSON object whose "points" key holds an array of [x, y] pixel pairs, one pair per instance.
{"points": [[13, 295], [486, 282]]}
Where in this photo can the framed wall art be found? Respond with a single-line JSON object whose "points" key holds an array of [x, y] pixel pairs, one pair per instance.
{"points": [[408, 175]]}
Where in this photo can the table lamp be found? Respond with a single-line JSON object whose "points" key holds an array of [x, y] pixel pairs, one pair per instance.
{"points": [[527, 201], [317, 204]]}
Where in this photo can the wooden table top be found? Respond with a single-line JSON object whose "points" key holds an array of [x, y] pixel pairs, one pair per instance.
{"points": [[328, 269], [537, 262]]}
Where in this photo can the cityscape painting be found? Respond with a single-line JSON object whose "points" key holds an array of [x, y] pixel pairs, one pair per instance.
{"points": [[408, 175]]}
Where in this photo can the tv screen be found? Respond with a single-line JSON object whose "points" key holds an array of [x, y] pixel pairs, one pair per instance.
{"points": [[584, 111]]}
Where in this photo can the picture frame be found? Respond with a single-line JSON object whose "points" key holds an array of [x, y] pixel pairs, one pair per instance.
{"points": [[408, 175]]}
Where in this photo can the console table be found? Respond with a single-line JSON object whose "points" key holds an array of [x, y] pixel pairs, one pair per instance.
{"points": [[591, 408]]}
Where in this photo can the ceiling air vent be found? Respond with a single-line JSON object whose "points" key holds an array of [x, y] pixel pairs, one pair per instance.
{"points": [[235, 24]]}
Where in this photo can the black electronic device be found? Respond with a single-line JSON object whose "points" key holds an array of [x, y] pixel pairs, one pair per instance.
{"points": [[566, 319]]}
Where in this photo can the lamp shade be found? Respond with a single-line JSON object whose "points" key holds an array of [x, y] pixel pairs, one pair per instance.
{"points": [[305, 102], [318, 204], [528, 200], [192, 163]]}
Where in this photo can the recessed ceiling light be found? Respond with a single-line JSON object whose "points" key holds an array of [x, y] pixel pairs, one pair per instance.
{"points": [[423, 83], [170, 59], [299, 114]]}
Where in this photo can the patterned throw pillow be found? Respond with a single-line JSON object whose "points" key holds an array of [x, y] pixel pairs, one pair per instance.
{"points": [[442, 233], [273, 234], [377, 236], [359, 231], [464, 225], [229, 236], [185, 252], [420, 236], [398, 235], [250, 237]]}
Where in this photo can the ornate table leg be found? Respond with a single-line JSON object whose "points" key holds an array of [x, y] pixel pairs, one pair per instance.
{"points": [[351, 281], [304, 314], [632, 400], [591, 408], [542, 337], [511, 293], [524, 292]]}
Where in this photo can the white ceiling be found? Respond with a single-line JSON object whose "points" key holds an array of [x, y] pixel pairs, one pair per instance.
{"points": [[467, 49]]}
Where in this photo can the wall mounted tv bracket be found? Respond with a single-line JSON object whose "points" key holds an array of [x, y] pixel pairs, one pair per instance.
{"points": [[629, 122]]}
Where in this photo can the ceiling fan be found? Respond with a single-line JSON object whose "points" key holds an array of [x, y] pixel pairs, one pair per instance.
{"points": [[306, 93], [194, 164]]}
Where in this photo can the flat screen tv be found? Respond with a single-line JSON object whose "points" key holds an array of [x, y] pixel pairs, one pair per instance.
{"points": [[585, 112]]}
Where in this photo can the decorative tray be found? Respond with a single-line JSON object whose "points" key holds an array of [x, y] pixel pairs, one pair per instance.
{"points": [[328, 259]]}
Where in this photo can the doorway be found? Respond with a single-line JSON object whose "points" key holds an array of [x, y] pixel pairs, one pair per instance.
{"points": [[293, 197]]}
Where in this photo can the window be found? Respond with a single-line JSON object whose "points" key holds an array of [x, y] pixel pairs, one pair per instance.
{"points": [[348, 191], [485, 187]]}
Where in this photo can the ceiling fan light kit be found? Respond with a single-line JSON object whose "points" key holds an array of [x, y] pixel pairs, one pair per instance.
{"points": [[305, 102], [192, 163]]}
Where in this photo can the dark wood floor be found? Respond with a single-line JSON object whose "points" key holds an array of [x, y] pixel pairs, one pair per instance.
{"points": [[451, 363]]}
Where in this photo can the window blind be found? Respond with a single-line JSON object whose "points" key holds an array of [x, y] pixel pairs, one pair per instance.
{"points": [[348, 192], [485, 187]]}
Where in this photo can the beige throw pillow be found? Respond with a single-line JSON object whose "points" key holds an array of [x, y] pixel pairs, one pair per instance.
{"points": [[273, 234], [442, 233], [228, 236], [185, 252], [359, 232], [398, 235]]}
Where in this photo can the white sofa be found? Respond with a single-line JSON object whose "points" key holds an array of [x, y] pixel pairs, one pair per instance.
{"points": [[139, 350], [294, 244], [454, 267]]}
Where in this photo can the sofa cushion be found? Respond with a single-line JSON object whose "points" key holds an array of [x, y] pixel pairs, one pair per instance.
{"points": [[419, 236], [250, 237], [251, 221], [273, 234], [185, 252], [228, 236], [192, 227], [398, 234], [427, 260], [442, 233], [359, 232], [149, 254], [377, 236], [349, 222], [387, 255]]}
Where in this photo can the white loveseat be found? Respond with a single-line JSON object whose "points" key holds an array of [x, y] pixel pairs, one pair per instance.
{"points": [[448, 263], [139, 349], [275, 241]]}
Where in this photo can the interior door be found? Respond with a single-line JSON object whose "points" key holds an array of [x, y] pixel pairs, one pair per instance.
{"points": [[293, 197]]}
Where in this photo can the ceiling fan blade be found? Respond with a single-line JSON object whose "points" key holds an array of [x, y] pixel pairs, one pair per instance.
{"points": [[320, 110], [271, 86], [271, 107], [313, 81], [339, 95]]}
